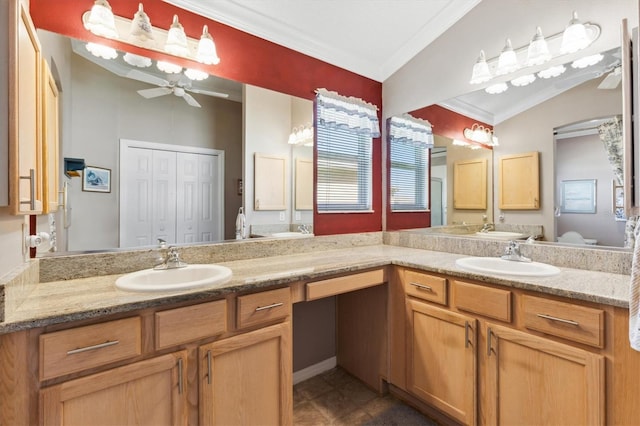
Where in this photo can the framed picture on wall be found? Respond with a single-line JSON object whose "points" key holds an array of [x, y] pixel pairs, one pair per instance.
{"points": [[96, 179], [618, 202], [578, 196]]}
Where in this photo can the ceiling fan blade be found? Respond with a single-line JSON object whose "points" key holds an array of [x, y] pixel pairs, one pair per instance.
{"points": [[147, 78], [190, 100], [154, 92], [612, 80], [209, 93]]}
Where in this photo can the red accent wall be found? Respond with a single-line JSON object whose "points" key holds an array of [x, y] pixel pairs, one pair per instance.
{"points": [[445, 123], [244, 58]]}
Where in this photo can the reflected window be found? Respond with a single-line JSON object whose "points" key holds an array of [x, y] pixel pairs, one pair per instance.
{"points": [[344, 170], [408, 174]]}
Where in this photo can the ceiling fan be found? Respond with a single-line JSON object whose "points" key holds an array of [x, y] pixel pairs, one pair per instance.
{"points": [[612, 80], [174, 84]]}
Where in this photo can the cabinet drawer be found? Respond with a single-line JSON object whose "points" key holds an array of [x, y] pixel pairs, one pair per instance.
{"points": [[573, 322], [182, 325], [77, 349], [263, 307], [345, 284], [425, 286], [488, 301]]}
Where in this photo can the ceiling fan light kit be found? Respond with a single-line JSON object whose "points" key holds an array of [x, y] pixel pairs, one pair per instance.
{"points": [[101, 22], [539, 51]]}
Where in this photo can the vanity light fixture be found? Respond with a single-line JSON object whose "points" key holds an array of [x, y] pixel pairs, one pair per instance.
{"points": [[540, 50], [481, 71], [507, 61], [465, 144], [302, 135], [101, 21], [479, 133], [176, 39], [575, 36], [207, 53], [141, 26], [102, 51]]}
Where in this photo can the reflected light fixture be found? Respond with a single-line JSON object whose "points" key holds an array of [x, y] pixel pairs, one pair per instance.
{"points": [[587, 61], [101, 21], [195, 75], [507, 61], [479, 133], [552, 71], [465, 144], [141, 26], [494, 89], [523, 80], [574, 37], [302, 135], [176, 39], [481, 71], [207, 53], [168, 67], [102, 51], [538, 51], [137, 60]]}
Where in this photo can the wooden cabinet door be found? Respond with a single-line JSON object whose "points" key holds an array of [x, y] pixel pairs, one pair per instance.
{"points": [[441, 360], [50, 141], [150, 392], [470, 184], [519, 181], [25, 189], [247, 379], [531, 380]]}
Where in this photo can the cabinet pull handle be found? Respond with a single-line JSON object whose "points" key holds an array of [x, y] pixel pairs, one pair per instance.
{"points": [[489, 348], [562, 320], [180, 382], [209, 367], [467, 327], [93, 347], [422, 287], [273, 305], [32, 189]]}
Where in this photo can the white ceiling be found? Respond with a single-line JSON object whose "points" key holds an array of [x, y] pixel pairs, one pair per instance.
{"points": [[373, 38]]}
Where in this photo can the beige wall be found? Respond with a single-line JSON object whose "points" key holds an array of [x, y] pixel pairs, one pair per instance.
{"points": [[533, 131]]}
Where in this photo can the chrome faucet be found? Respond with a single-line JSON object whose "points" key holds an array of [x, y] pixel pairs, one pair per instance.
{"points": [[512, 252], [172, 261], [304, 229], [487, 227]]}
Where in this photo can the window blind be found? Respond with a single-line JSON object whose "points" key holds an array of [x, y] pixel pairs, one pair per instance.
{"points": [[344, 170], [409, 172]]}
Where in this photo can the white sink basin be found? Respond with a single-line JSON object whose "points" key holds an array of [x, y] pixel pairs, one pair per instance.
{"points": [[502, 235], [191, 276], [290, 235], [495, 265]]}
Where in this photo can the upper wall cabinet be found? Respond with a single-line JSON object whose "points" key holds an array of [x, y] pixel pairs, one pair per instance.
{"points": [[269, 182], [470, 184], [25, 188], [519, 181]]}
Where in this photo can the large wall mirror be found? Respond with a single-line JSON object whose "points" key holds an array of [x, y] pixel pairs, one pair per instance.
{"points": [[100, 107], [529, 119]]}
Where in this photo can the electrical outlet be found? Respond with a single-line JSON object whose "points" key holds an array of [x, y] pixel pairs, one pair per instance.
{"points": [[298, 216], [281, 216]]}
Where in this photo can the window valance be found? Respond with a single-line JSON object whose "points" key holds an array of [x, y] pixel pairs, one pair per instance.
{"points": [[408, 129], [348, 113]]}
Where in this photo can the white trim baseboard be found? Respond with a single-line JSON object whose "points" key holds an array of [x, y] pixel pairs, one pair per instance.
{"points": [[314, 370]]}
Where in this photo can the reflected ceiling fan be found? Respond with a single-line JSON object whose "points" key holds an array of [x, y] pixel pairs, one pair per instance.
{"points": [[174, 84], [612, 80]]}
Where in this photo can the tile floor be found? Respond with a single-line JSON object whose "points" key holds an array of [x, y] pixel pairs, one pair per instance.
{"points": [[337, 398]]}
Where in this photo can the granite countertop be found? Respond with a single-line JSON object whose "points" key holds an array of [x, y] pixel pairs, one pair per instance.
{"points": [[62, 301]]}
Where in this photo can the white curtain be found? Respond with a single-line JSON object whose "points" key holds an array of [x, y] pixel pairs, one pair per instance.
{"points": [[408, 129], [348, 113]]}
